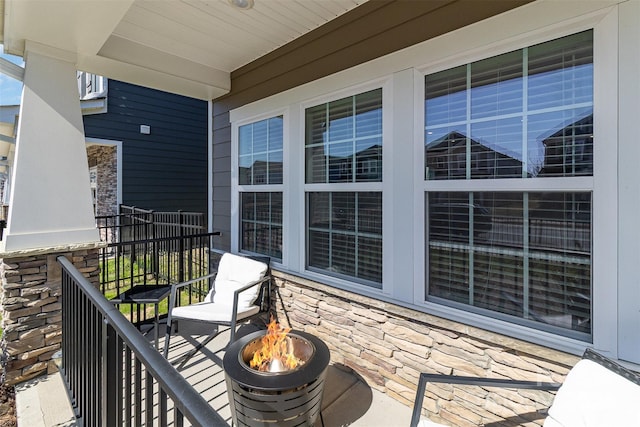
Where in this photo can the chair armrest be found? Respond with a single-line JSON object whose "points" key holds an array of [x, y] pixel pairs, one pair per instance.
{"points": [[236, 295], [176, 286], [238, 291], [250, 285], [475, 381], [189, 282]]}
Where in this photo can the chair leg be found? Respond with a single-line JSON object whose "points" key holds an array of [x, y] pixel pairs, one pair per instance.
{"points": [[197, 348], [167, 337]]}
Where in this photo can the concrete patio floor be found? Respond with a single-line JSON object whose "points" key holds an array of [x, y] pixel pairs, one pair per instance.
{"points": [[347, 401]]}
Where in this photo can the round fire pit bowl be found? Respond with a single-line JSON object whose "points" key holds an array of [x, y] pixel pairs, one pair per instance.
{"points": [[282, 399]]}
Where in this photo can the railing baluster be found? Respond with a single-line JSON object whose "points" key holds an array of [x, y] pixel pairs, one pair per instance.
{"points": [[148, 399], [122, 375], [110, 358], [82, 356], [162, 408], [95, 376], [138, 393], [178, 419], [127, 386]]}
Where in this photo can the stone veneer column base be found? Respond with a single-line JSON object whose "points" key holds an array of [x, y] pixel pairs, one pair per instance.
{"points": [[390, 345], [31, 298]]}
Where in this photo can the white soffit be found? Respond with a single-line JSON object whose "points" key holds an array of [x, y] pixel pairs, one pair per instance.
{"points": [[182, 46]]}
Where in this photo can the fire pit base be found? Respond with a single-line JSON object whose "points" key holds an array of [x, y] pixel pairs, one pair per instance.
{"points": [[282, 399]]}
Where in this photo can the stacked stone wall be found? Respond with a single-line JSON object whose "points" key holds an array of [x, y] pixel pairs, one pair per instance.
{"points": [[31, 298], [106, 160], [105, 157], [388, 346]]}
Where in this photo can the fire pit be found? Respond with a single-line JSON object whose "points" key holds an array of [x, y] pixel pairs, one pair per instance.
{"points": [[276, 378]]}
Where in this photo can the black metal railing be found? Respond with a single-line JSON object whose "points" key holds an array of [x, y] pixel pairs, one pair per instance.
{"points": [[158, 261], [115, 376], [144, 247], [133, 223]]}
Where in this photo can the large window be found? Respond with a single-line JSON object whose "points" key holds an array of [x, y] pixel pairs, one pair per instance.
{"points": [[520, 255], [477, 177], [343, 148], [260, 154]]}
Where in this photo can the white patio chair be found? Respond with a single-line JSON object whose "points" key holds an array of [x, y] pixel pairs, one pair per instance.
{"points": [[596, 392], [241, 291]]}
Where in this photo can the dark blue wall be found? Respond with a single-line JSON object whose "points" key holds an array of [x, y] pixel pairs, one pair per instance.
{"points": [[167, 169]]}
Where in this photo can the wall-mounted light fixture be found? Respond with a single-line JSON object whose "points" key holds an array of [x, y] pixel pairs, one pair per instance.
{"points": [[242, 4]]}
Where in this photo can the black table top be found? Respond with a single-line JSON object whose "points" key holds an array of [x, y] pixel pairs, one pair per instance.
{"points": [[143, 294]]}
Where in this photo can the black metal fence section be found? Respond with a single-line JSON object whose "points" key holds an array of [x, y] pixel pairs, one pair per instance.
{"points": [[116, 377], [158, 261], [133, 223]]}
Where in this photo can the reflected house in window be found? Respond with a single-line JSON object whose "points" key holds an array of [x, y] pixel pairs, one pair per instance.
{"points": [[368, 166], [569, 151], [446, 159], [262, 173], [559, 222]]}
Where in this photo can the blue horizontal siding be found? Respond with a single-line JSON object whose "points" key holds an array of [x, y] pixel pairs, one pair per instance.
{"points": [[167, 169]]}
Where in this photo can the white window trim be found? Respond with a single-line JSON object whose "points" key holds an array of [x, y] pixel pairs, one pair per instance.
{"points": [[387, 108], [603, 185], [236, 188], [102, 81], [403, 187]]}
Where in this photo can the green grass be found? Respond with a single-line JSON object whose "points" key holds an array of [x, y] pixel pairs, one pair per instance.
{"points": [[133, 273]]}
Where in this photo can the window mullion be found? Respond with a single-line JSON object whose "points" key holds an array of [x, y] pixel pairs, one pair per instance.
{"points": [[327, 143], [253, 141], [330, 239], [525, 196], [353, 140], [468, 125], [525, 255], [471, 248], [356, 234], [525, 111]]}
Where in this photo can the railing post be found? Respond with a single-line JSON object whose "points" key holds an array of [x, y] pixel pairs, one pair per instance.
{"points": [[156, 249], [181, 247]]}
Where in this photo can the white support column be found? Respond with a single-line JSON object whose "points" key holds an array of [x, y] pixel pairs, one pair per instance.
{"points": [[50, 202]]}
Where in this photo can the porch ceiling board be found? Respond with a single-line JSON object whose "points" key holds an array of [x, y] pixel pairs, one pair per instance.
{"points": [[188, 47]]}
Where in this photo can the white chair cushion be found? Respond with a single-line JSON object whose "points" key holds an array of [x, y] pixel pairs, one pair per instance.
{"points": [[234, 272], [240, 269], [592, 395], [212, 312], [224, 293]]}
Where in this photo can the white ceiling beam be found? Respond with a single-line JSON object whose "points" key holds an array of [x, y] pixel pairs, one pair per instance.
{"points": [[127, 51], [79, 26], [154, 79]]}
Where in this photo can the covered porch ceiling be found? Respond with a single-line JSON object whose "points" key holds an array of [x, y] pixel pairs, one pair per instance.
{"points": [[189, 47]]}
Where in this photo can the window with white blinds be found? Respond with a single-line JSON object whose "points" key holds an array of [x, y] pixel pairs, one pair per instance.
{"points": [[523, 114], [526, 255], [345, 234], [261, 223], [343, 148], [343, 140], [260, 156]]}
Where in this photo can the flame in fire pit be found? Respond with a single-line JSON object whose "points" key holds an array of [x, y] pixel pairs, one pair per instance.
{"points": [[276, 353]]}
